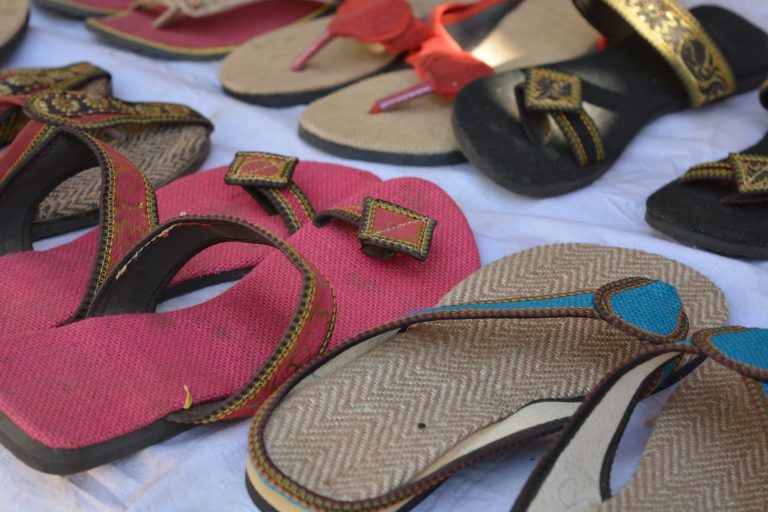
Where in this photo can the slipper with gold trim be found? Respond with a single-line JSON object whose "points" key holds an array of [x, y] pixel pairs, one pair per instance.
{"points": [[199, 30], [404, 117], [165, 140], [664, 59], [298, 63], [61, 410], [14, 18], [506, 356], [17, 85], [85, 8], [719, 206], [708, 449], [43, 289]]}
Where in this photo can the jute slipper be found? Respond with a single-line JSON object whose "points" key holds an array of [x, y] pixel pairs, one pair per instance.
{"points": [[419, 132], [62, 409], [505, 357], [17, 85], [165, 140], [14, 17], [708, 449], [299, 63], [670, 59], [200, 30], [85, 8], [718, 206], [44, 289]]}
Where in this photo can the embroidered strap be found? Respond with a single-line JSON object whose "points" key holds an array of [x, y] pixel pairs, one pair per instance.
{"points": [[128, 207], [385, 229], [749, 172], [134, 285], [85, 111], [675, 34], [267, 177], [548, 93], [388, 23], [16, 85]]}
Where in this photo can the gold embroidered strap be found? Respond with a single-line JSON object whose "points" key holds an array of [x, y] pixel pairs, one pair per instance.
{"points": [[748, 171], [268, 178], [675, 34], [551, 93], [86, 111]]}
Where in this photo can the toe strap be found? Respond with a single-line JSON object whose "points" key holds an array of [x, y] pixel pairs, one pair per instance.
{"points": [[551, 94], [749, 172]]}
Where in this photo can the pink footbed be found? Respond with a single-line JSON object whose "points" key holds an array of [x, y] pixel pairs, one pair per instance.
{"points": [[100, 378], [43, 289], [219, 31]]}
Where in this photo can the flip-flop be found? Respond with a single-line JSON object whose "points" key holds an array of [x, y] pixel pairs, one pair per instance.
{"points": [[419, 132], [14, 18], [44, 289], [165, 140], [124, 378], [708, 449], [671, 60], [297, 64], [17, 85], [505, 357], [85, 8], [718, 206], [205, 30]]}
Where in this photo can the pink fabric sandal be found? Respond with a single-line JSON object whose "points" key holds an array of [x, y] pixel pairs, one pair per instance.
{"points": [[201, 30], [42, 289], [81, 395]]}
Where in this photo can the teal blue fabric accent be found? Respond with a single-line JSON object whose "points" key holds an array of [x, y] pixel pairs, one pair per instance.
{"points": [[747, 347], [765, 387], [582, 300], [654, 307]]}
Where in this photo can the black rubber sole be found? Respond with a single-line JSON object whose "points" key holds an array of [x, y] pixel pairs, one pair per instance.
{"points": [[70, 11], [149, 51], [15, 41], [455, 157], [705, 242]]}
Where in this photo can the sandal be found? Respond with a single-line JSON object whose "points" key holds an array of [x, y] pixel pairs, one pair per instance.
{"points": [[17, 85], [380, 422], [201, 30], [85, 8], [297, 64], [165, 140], [718, 206], [44, 289], [708, 449], [403, 118], [14, 18], [61, 410], [672, 59]]}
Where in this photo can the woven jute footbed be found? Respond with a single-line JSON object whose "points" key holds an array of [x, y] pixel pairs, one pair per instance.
{"points": [[162, 152], [534, 33], [381, 420], [262, 66], [13, 16], [707, 451]]}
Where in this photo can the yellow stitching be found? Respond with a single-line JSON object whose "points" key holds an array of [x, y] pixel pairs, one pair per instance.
{"points": [[37, 139], [594, 134], [303, 200], [293, 220], [572, 136]]}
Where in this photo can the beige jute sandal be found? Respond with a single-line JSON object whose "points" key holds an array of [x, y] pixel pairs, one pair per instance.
{"points": [[507, 356], [14, 17]]}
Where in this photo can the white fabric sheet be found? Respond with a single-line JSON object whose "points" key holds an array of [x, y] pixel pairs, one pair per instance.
{"points": [[203, 469]]}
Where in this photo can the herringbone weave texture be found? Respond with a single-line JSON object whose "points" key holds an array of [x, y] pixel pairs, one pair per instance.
{"points": [[707, 451], [381, 420], [162, 152]]}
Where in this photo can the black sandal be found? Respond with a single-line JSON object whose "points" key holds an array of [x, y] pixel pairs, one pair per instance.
{"points": [[719, 206], [674, 60]]}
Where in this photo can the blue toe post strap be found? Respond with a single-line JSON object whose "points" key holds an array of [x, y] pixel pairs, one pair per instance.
{"points": [[743, 350], [649, 310]]}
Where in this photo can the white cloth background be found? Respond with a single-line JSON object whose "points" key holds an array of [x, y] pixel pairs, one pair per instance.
{"points": [[203, 469]]}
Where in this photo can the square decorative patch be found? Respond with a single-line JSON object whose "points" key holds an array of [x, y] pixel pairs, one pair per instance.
{"points": [[751, 173], [550, 90], [392, 227], [251, 168]]}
